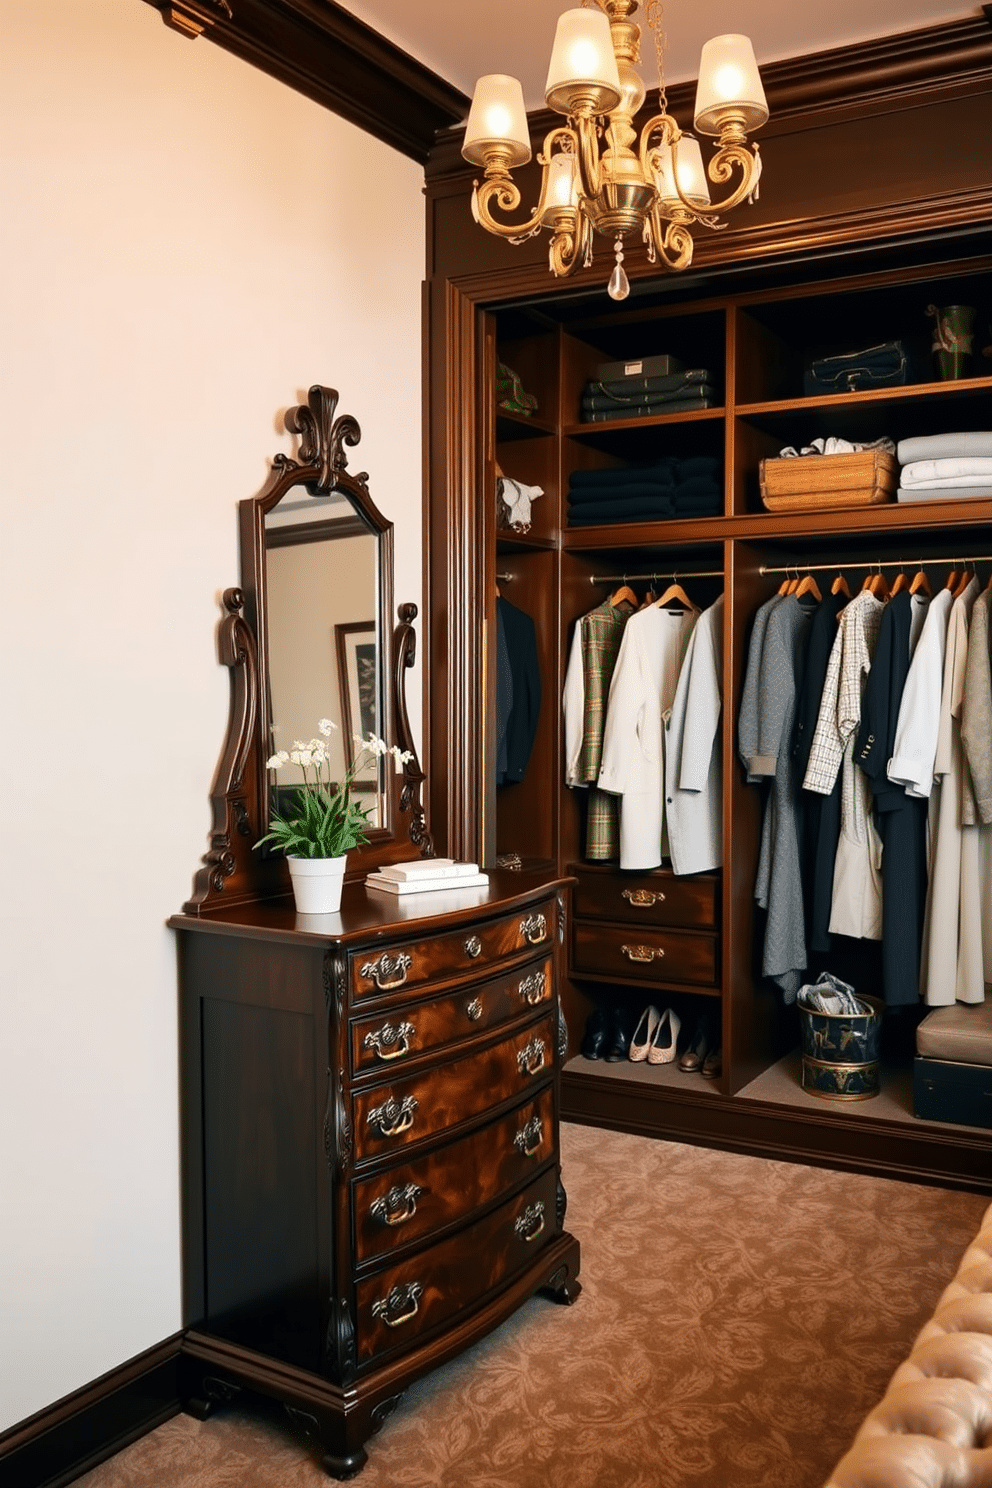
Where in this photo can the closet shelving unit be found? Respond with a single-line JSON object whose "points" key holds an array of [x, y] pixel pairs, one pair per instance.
{"points": [[755, 344]]}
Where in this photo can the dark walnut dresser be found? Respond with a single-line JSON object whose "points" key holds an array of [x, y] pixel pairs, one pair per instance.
{"points": [[371, 1144]]}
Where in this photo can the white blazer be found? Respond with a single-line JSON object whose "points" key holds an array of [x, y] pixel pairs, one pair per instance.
{"points": [[633, 765], [693, 756]]}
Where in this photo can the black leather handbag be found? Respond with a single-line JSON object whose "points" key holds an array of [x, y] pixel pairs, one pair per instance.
{"points": [[880, 366]]}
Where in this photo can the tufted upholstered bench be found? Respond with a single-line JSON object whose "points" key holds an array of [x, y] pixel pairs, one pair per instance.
{"points": [[933, 1426]]}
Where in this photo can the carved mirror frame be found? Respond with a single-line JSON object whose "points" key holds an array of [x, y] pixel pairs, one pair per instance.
{"points": [[233, 872]]}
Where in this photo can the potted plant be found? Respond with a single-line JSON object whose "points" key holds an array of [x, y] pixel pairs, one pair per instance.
{"points": [[325, 822]]}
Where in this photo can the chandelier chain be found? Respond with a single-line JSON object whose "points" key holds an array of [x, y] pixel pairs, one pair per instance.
{"points": [[655, 19]]}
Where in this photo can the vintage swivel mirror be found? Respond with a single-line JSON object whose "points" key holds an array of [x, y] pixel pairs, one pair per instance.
{"points": [[309, 636]]}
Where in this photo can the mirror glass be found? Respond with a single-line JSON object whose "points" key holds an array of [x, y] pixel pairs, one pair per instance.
{"points": [[323, 593]]}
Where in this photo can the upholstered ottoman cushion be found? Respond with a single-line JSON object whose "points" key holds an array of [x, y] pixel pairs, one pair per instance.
{"points": [[933, 1426], [952, 1072]]}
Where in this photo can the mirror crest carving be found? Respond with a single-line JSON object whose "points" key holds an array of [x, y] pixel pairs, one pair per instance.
{"points": [[312, 537]]}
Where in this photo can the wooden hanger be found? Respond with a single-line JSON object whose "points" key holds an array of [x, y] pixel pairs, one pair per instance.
{"points": [[901, 583], [920, 584], [808, 585], [839, 586], [963, 582], [623, 595], [878, 586], [676, 592], [952, 579]]}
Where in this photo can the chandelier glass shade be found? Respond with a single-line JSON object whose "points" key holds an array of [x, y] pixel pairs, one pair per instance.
{"points": [[598, 175]]}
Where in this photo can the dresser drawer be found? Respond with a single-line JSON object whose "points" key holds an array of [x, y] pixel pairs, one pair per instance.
{"points": [[429, 1193], [390, 1117], [398, 1306], [644, 954], [657, 898], [409, 964], [390, 1039]]}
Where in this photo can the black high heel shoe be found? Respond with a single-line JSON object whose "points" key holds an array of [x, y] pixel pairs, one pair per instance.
{"points": [[593, 1044], [618, 1037]]}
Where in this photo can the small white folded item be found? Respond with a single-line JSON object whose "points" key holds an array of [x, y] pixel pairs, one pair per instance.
{"points": [[968, 445], [945, 493], [960, 472]]}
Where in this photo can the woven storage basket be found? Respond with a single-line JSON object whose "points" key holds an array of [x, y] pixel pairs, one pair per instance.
{"points": [[829, 482]]}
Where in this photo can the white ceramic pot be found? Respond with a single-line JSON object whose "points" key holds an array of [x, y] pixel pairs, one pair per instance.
{"points": [[317, 883]]}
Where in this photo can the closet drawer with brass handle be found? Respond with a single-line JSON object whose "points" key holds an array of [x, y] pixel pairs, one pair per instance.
{"points": [[410, 1108], [381, 1039], [424, 1194], [658, 898], [645, 954], [396, 1306], [406, 966]]}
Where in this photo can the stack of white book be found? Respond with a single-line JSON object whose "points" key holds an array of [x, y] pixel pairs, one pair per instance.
{"points": [[426, 875]]}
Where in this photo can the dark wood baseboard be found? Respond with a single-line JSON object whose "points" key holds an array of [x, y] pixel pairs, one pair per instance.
{"points": [[915, 1152], [68, 1438]]}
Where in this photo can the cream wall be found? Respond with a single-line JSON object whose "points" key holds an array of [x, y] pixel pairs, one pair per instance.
{"points": [[178, 267]]}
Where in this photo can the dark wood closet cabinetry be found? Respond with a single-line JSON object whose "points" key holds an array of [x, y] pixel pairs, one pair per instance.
{"points": [[821, 268]]}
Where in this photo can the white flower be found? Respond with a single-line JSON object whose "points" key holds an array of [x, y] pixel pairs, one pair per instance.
{"points": [[279, 758], [326, 725], [400, 755], [373, 744]]}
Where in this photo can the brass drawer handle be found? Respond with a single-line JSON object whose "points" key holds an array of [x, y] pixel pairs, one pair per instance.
{"points": [[531, 989], [641, 953], [382, 1041], [399, 1205], [474, 1009], [389, 971], [394, 1117], [642, 898], [400, 1306], [531, 1058], [529, 1137], [530, 1223], [534, 928], [473, 947]]}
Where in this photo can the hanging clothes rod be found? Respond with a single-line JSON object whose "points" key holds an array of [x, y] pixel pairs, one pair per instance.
{"points": [[657, 573], [917, 562]]}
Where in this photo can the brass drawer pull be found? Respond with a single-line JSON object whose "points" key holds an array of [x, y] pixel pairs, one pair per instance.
{"points": [[389, 971], [531, 1222], [642, 898], [641, 953], [382, 1041], [394, 1117], [534, 928], [531, 1058], [529, 1137], [400, 1306], [474, 1009], [399, 1205], [473, 947], [531, 989]]}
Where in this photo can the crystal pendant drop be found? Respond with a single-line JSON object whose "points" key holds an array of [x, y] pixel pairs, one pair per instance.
{"points": [[619, 285]]}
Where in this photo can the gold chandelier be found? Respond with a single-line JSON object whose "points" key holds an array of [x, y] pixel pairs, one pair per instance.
{"points": [[659, 189]]}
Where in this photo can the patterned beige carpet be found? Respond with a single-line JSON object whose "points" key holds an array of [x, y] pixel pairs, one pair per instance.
{"points": [[738, 1317]]}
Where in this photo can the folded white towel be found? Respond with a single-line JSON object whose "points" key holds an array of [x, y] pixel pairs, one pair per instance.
{"points": [[943, 493], [926, 472], [942, 446]]}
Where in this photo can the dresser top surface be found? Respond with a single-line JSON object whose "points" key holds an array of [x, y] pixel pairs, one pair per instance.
{"points": [[367, 913]]}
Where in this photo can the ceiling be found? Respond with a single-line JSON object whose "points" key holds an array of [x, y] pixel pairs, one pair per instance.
{"points": [[462, 39]]}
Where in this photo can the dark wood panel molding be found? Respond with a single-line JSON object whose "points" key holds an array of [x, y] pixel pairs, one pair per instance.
{"points": [[68, 1438], [331, 57]]}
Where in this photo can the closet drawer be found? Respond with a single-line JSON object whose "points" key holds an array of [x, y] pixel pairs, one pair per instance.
{"points": [[644, 954], [382, 1040], [409, 964], [390, 1117], [657, 898], [395, 1308], [415, 1199]]}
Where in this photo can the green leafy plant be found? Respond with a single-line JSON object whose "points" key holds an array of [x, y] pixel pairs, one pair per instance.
{"points": [[324, 821]]}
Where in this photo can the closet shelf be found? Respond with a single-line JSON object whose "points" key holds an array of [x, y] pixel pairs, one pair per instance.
{"points": [[962, 388]]}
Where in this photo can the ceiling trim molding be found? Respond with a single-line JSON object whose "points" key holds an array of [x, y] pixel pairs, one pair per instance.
{"points": [[821, 87], [332, 58]]}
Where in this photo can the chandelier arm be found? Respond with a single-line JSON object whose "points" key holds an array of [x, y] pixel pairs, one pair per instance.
{"points": [[585, 135], [503, 190], [672, 240], [731, 157]]}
